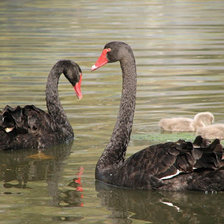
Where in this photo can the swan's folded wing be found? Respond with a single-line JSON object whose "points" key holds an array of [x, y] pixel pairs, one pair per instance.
{"points": [[25, 127], [165, 161], [38, 120], [25, 120], [13, 118], [146, 168], [211, 157]]}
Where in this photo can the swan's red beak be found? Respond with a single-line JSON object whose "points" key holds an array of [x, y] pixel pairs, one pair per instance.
{"points": [[102, 60], [77, 88]]}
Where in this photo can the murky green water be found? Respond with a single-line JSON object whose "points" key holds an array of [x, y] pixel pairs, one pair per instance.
{"points": [[180, 57]]}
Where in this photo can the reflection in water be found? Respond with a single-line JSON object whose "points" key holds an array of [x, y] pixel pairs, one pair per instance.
{"points": [[161, 207], [18, 168], [73, 196]]}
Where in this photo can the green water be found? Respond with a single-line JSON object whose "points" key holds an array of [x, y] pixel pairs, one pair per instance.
{"points": [[179, 53]]}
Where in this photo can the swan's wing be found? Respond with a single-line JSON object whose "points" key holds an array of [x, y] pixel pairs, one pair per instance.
{"points": [[22, 127], [163, 159], [154, 164], [38, 120], [28, 119], [211, 156]]}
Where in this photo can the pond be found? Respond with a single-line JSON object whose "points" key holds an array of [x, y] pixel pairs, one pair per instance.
{"points": [[179, 50]]}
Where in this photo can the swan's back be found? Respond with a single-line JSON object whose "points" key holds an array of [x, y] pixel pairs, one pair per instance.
{"points": [[168, 166], [212, 131], [26, 127], [177, 124]]}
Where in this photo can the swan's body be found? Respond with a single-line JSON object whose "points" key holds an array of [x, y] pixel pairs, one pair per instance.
{"points": [[212, 131], [182, 124], [171, 166], [31, 127]]}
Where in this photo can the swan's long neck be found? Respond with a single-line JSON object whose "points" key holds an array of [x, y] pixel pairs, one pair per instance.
{"points": [[53, 103], [115, 151]]}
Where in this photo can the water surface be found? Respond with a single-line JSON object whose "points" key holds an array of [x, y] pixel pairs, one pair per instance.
{"points": [[179, 53]]}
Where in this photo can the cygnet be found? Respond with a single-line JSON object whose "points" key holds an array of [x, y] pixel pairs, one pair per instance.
{"points": [[181, 124], [212, 131]]}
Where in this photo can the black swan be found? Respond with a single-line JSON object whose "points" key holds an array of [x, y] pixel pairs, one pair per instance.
{"points": [[173, 166], [31, 127], [182, 124]]}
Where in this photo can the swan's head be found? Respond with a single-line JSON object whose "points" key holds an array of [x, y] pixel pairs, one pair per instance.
{"points": [[203, 119], [73, 73], [112, 52]]}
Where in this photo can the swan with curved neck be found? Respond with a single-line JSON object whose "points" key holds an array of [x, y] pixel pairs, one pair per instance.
{"points": [[171, 166], [31, 127]]}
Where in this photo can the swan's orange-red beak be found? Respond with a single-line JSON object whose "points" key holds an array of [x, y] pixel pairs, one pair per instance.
{"points": [[77, 88], [102, 60]]}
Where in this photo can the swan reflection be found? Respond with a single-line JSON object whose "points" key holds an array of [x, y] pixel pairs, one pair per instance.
{"points": [[159, 207], [23, 169]]}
